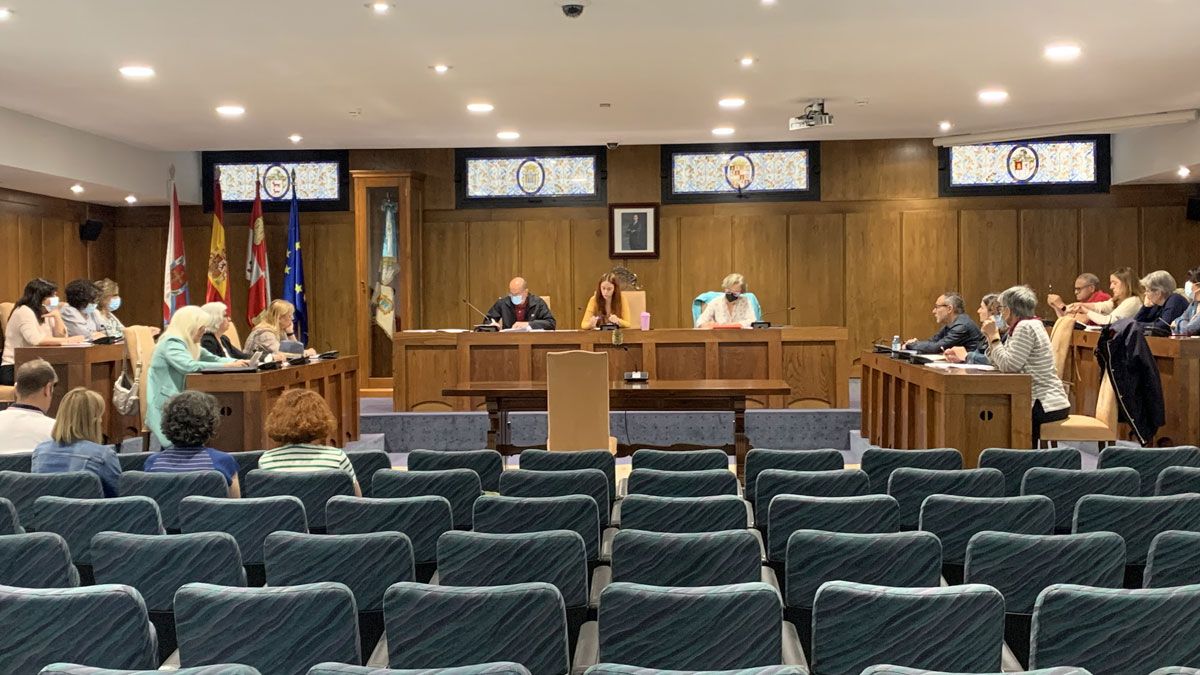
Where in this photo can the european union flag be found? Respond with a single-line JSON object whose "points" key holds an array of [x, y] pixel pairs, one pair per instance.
{"points": [[293, 271]]}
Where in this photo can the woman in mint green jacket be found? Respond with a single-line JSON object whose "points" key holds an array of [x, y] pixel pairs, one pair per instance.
{"points": [[177, 354]]}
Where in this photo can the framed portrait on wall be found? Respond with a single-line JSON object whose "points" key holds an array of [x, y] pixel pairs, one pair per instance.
{"points": [[633, 231]]}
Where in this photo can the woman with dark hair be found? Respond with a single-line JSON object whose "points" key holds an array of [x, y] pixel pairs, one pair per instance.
{"points": [[79, 314], [189, 421], [606, 307], [35, 322], [1189, 323]]}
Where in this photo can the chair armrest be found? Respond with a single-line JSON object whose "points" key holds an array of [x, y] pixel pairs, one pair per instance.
{"points": [[614, 518], [606, 543], [1009, 662], [601, 578], [172, 662], [793, 652], [771, 579], [749, 510], [762, 547], [435, 580], [379, 655], [587, 648]]}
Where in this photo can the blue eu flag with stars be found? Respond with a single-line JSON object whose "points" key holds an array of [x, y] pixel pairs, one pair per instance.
{"points": [[293, 271]]}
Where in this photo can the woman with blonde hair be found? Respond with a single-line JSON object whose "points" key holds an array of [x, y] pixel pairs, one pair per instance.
{"points": [[606, 306], [77, 441], [177, 355], [274, 327], [732, 308], [1126, 301]]}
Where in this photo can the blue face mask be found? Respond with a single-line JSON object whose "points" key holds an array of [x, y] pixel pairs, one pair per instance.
{"points": [[1189, 289], [114, 304], [999, 320], [517, 299], [90, 309], [53, 300]]}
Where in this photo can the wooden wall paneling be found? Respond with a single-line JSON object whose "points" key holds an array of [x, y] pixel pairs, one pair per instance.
{"points": [[760, 253], [929, 267], [444, 276], [11, 282], [872, 282], [102, 253], [331, 316], [545, 262], [705, 257], [589, 259], [1049, 252], [492, 260], [987, 253], [74, 250], [633, 174], [660, 279], [817, 269], [1108, 239], [54, 257], [140, 275], [878, 169], [1169, 241], [29, 240]]}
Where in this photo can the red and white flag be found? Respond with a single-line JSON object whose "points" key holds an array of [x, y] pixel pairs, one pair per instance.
{"points": [[175, 287], [257, 272]]}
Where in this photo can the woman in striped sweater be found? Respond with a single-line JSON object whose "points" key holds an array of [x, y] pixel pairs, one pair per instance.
{"points": [[1027, 350], [301, 421]]}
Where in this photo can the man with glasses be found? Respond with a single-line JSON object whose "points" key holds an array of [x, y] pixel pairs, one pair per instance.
{"points": [[957, 329], [25, 424], [1087, 289]]}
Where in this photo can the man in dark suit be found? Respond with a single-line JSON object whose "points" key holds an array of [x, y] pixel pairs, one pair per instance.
{"points": [[521, 310], [633, 235], [957, 329]]}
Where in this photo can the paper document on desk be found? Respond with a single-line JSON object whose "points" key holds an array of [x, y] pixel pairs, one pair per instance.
{"points": [[946, 365], [523, 329]]}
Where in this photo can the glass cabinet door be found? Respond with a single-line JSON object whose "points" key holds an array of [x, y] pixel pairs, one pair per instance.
{"points": [[383, 276]]}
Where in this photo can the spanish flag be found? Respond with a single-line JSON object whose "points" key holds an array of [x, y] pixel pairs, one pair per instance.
{"points": [[218, 262]]}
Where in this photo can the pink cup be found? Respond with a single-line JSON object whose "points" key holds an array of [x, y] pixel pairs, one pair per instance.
{"points": [[645, 320]]}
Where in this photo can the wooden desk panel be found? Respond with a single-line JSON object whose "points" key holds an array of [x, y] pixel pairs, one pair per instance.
{"points": [[811, 360], [94, 367], [909, 406]]}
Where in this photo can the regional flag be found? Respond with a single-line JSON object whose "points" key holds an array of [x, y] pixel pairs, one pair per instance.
{"points": [[218, 261], [257, 272], [175, 288], [293, 271]]}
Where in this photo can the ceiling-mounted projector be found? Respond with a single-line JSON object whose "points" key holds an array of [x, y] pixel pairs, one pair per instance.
{"points": [[814, 116]]}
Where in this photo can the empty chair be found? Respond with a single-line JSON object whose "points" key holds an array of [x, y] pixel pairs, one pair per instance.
{"points": [[133, 461], [158, 566], [1020, 566], [510, 515], [683, 514], [366, 463], [36, 560], [674, 460], [619, 669], [1149, 462], [461, 487], [1173, 560], [835, 483], [703, 629], [104, 626], [497, 668], [603, 460], [956, 519], [910, 487], [421, 519], [1176, 480], [248, 520], [1137, 520], [864, 515], [447, 626], [10, 522], [487, 463], [1065, 486], [956, 629], [761, 459], [21, 462], [312, 488], [78, 520], [283, 631], [901, 670], [23, 489], [879, 463], [883, 559], [1014, 463], [247, 462], [168, 489], [530, 483], [366, 563], [221, 669], [1116, 631], [700, 483]]}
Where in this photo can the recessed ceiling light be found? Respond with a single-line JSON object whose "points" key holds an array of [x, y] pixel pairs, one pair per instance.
{"points": [[230, 110], [5, 14], [768, 3], [747, 61], [130, 199], [380, 7], [722, 131], [77, 189], [440, 68], [732, 102], [1183, 171], [1062, 51], [945, 125], [480, 107], [295, 138], [508, 135], [993, 96], [137, 72]]}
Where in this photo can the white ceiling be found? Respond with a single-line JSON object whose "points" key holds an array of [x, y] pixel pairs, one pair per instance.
{"points": [[302, 65]]}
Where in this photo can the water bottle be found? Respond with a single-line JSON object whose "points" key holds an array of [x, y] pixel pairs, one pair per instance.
{"points": [[895, 343]]}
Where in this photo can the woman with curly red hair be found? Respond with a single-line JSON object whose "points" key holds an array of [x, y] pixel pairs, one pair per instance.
{"points": [[300, 421]]}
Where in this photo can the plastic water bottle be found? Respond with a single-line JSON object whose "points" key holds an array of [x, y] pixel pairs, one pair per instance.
{"points": [[645, 320], [895, 343]]}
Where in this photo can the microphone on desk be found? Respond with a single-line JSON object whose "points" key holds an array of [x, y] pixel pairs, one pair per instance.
{"points": [[767, 324], [487, 326]]}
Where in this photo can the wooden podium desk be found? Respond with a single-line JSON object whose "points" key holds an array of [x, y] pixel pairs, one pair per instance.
{"points": [[912, 406], [812, 361], [95, 367], [1178, 361], [246, 399]]}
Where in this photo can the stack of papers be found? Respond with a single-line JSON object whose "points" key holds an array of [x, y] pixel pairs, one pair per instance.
{"points": [[946, 365]]}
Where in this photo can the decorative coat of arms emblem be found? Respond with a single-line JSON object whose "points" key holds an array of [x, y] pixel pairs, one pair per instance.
{"points": [[739, 172], [276, 181], [1022, 163], [531, 176]]}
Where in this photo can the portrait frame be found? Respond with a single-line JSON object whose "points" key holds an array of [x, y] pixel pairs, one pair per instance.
{"points": [[633, 230]]}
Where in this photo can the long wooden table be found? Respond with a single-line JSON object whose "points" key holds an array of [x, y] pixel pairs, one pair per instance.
{"points": [[95, 367], [1178, 361], [707, 395], [246, 400], [914, 406], [812, 361]]}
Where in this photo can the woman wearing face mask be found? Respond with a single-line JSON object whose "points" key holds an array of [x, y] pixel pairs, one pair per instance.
{"points": [[79, 313], [989, 309], [606, 306], [35, 322], [1189, 323], [731, 309], [108, 302]]}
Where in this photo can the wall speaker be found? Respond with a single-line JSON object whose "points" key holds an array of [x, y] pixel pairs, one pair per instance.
{"points": [[89, 230], [1193, 208]]}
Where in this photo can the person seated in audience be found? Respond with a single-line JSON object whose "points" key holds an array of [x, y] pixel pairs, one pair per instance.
{"points": [[189, 421], [989, 308], [76, 442], [1189, 323], [521, 310], [25, 424], [730, 309], [957, 329], [274, 332], [1125, 302], [301, 422], [606, 306], [177, 355], [1087, 290], [214, 339], [35, 322], [1161, 305], [1028, 351], [79, 314]]}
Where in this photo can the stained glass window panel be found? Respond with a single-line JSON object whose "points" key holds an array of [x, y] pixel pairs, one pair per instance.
{"points": [[314, 180], [698, 173], [501, 177], [1024, 163]]}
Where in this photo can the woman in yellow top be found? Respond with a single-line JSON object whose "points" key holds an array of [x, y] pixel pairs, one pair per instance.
{"points": [[606, 306]]}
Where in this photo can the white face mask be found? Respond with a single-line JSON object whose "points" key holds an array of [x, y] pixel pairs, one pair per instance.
{"points": [[91, 308], [53, 301], [1189, 289]]}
